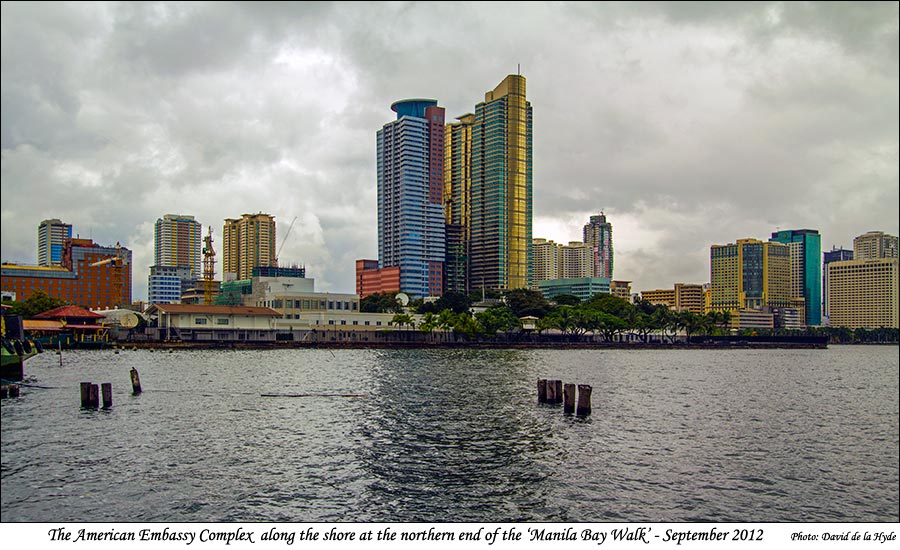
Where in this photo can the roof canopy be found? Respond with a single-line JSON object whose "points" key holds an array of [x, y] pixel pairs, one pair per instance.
{"points": [[68, 312]]}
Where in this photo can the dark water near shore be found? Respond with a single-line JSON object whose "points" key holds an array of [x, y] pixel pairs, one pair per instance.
{"points": [[457, 436]]}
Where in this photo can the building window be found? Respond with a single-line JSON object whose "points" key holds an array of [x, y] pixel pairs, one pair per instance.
{"points": [[222, 321], [199, 321]]}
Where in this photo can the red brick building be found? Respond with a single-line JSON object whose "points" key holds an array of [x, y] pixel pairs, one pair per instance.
{"points": [[91, 276]]}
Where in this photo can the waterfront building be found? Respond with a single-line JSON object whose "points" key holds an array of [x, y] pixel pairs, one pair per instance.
{"points": [[683, 297], [500, 248], [752, 318], [247, 243], [660, 297], [835, 255], [874, 245], [410, 169], [546, 260], [457, 201], [806, 269], [598, 236], [89, 275], [52, 237], [583, 287], [863, 293], [749, 274], [622, 289]]}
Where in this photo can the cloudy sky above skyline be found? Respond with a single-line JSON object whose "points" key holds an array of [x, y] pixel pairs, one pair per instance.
{"points": [[688, 124]]}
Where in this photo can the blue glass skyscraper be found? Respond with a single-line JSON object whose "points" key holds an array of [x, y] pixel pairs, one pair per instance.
{"points": [[806, 268], [410, 170]]}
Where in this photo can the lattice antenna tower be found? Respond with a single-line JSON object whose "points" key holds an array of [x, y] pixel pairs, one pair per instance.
{"points": [[209, 267]]}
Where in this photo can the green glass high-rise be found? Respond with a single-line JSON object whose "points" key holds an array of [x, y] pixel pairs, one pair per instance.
{"points": [[499, 251], [806, 269]]}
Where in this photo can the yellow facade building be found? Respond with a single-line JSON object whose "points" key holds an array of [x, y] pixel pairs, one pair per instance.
{"points": [[863, 293], [750, 274]]}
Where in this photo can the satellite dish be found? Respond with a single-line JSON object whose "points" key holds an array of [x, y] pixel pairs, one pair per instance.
{"points": [[129, 321], [402, 299]]}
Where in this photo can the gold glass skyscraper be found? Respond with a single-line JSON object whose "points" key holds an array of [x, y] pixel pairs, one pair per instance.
{"points": [[499, 250]]}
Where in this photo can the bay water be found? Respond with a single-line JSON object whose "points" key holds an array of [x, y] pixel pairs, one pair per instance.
{"points": [[443, 435]]}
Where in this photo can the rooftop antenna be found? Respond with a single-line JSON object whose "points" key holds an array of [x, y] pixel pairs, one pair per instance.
{"points": [[519, 69]]}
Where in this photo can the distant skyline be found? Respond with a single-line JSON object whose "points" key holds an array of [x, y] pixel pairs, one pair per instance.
{"points": [[687, 124]]}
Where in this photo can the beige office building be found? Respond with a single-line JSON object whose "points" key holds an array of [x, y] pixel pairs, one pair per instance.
{"points": [[684, 297], [863, 293]]}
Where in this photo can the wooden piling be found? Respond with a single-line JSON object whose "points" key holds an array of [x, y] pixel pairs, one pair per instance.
{"points": [[107, 394], [4, 392], [13, 390], [135, 381], [95, 396], [542, 390], [584, 400], [569, 398], [557, 391], [85, 394], [550, 395]]}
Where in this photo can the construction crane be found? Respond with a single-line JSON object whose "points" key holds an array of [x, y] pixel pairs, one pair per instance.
{"points": [[115, 276], [209, 268], [284, 240]]}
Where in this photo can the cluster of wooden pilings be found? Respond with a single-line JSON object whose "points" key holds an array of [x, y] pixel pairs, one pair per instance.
{"points": [[11, 390], [90, 393], [555, 392]]}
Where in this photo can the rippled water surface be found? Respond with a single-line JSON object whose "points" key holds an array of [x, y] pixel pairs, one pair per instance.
{"points": [[456, 436]]}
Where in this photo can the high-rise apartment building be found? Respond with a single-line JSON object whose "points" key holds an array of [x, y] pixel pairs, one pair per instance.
{"points": [[52, 237], [874, 245], [500, 250], [545, 263], [177, 242], [598, 236], [750, 274], [806, 272], [458, 201], [575, 260], [247, 242], [410, 167], [551, 260]]}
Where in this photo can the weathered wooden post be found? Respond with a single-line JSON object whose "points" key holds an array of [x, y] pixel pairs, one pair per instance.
{"points": [[135, 381], [557, 392], [549, 395], [584, 400], [569, 398], [107, 394], [4, 392], [542, 390], [85, 395], [14, 390], [95, 396]]}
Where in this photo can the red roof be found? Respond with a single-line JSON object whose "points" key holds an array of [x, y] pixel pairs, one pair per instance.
{"points": [[68, 312]]}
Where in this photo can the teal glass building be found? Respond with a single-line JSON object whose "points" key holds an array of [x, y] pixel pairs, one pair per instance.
{"points": [[806, 268]]}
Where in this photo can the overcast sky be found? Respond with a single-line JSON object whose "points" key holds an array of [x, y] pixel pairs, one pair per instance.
{"points": [[688, 124]]}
